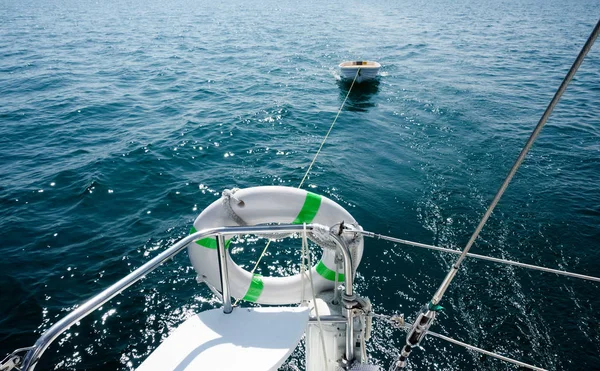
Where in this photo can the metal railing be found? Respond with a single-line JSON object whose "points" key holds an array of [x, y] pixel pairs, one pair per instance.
{"points": [[35, 353]]}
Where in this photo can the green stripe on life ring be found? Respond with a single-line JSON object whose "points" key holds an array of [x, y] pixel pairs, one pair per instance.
{"points": [[255, 289], [309, 209], [209, 242], [327, 273]]}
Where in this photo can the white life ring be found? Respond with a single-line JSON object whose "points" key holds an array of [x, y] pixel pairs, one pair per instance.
{"points": [[269, 204]]}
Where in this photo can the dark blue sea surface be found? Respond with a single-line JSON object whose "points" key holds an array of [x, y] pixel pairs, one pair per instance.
{"points": [[121, 120]]}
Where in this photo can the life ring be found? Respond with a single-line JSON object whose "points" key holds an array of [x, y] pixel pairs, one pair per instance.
{"points": [[269, 204]]}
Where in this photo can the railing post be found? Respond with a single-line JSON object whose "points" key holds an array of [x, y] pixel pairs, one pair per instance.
{"points": [[222, 255], [348, 298]]}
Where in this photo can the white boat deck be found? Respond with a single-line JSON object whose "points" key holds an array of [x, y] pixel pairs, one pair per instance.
{"points": [[246, 339]]}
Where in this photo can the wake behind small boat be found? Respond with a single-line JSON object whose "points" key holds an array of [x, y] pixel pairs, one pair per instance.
{"points": [[362, 70]]}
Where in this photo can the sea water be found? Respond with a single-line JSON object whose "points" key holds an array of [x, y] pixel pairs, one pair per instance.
{"points": [[121, 120]]}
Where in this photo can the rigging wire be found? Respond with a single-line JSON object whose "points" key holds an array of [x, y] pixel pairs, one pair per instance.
{"points": [[476, 256], [427, 315], [483, 351], [563, 86], [398, 322]]}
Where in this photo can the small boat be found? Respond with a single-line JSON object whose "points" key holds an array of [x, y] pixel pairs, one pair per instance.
{"points": [[362, 70]]}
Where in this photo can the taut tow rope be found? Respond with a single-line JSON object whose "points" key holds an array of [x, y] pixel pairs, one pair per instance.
{"points": [[262, 254]]}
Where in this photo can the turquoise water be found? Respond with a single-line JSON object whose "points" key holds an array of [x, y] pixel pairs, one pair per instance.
{"points": [[121, 121]]}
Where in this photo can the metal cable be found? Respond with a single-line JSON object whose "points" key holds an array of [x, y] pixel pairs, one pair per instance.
{"points": [[486, 352], [398, 322], [563, 86], [481, 257], [427, 315]]}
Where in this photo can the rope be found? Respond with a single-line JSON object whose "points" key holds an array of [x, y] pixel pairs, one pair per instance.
{"points": [[329, 131], [228, 195], [262, 254]]}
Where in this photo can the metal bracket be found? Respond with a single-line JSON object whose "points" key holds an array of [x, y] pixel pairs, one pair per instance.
{"points": [[13, 361]]}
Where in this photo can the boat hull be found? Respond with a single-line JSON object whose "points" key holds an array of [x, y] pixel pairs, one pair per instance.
{"points": [[366, 70]]}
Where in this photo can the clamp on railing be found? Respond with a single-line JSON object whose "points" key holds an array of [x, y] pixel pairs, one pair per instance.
{"points": [[13, 360]]}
